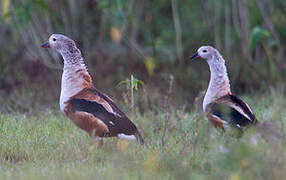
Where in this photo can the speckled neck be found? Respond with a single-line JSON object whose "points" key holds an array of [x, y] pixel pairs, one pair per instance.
{"points": [[73, 58], [219, 82], [74, 77]]}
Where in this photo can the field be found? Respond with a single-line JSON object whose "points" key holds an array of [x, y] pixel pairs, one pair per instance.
{"points": [[44, 144], [151, 41]]}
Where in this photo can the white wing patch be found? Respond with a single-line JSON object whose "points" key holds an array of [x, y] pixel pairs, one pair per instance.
{"points": [[248, 107], [241, 112], [231, 104], [127, 137]]}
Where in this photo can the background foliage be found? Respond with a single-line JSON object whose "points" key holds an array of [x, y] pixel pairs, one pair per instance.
{"points": [[150, 39], [126, 43]]}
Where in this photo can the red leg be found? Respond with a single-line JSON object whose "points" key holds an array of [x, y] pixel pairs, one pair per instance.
{"points": [[100, 143]]}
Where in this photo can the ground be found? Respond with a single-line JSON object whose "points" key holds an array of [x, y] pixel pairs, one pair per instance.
{"points": [[179, 145]]}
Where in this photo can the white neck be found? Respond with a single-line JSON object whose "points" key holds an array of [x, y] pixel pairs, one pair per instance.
{"points": [[219, 83], [72, 79]]}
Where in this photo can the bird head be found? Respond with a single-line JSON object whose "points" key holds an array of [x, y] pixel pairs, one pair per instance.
{"points": [[205, 52], [60, 43]]}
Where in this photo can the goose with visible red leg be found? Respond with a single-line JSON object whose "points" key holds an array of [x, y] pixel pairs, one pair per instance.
{"points": [[87, 107], [219, 105]]}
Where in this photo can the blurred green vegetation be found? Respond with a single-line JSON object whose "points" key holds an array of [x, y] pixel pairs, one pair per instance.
{"points": [[150, 39]]}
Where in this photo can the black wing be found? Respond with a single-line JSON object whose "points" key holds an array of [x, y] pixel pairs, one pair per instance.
{"points": [[234, 111], [115, 124], [115, 108]]}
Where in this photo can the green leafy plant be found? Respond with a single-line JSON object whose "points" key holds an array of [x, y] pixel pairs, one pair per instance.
{"points": [[133, 83]]}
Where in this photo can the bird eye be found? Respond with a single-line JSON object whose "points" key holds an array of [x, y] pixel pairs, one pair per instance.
{"points": [[204, 51], [54, 39]]}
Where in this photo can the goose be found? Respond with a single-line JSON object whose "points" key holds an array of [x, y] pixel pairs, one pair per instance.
{"points": [[220, 106], [87, 107]]}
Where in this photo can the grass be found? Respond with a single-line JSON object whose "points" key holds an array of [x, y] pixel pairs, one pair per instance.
{"points": [[46, 145]]}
